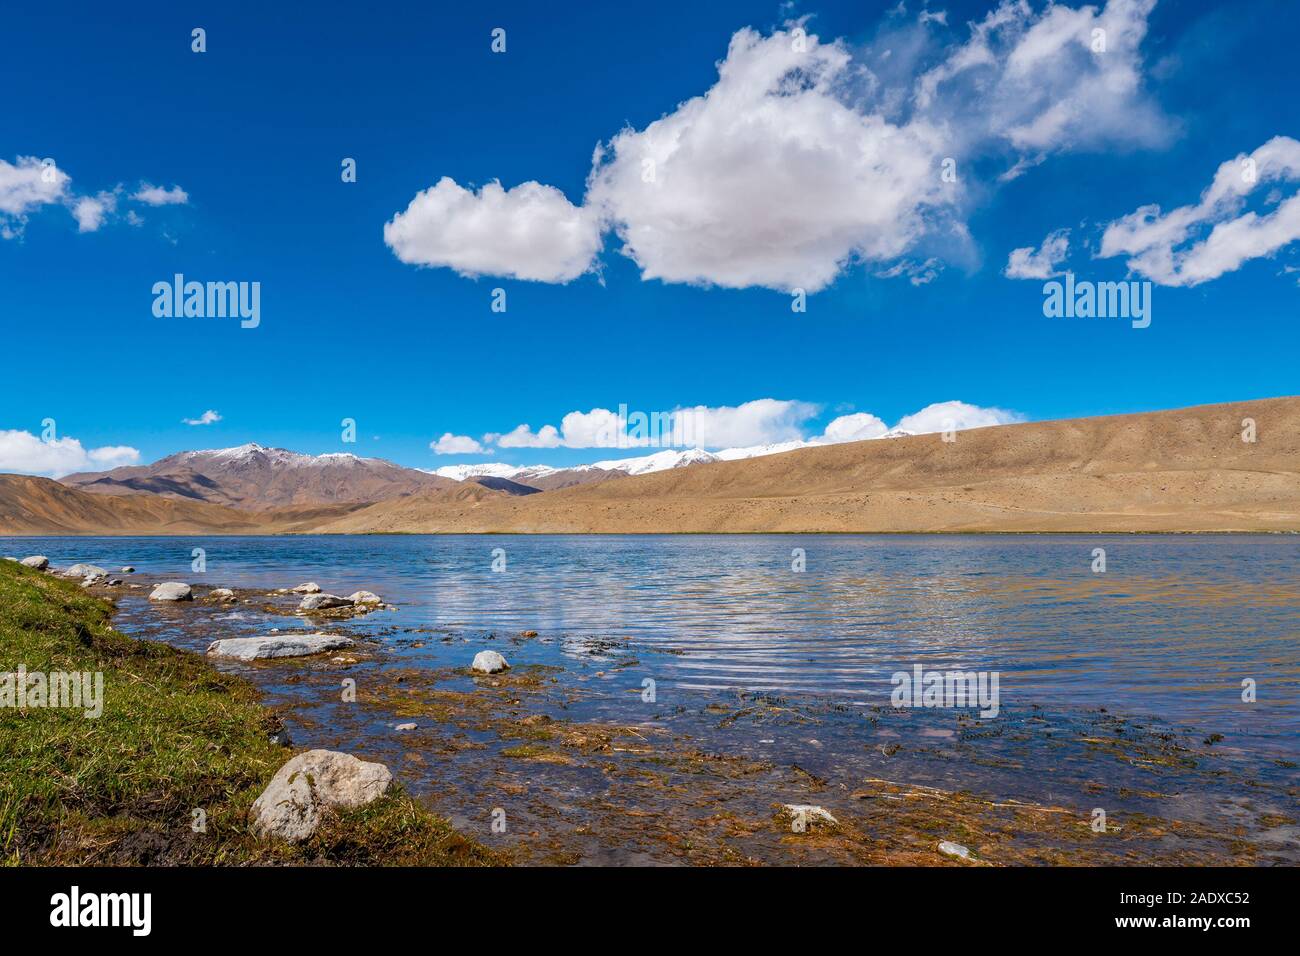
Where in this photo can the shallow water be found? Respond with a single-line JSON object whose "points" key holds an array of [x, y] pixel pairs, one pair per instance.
{"points": [[1170, 629]]}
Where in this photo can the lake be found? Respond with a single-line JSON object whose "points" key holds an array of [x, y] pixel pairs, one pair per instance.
{"points": [[1165, 636]]}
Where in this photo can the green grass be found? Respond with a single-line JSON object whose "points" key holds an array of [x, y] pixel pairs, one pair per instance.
{"points": [[175, 735]]}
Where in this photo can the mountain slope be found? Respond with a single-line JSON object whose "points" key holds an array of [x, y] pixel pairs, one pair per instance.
{"points": [[259, 479], [43, 506], [1184, 470]]}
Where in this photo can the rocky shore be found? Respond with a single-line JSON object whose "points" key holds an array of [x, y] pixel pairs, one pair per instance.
{"points": [[535, 761]]}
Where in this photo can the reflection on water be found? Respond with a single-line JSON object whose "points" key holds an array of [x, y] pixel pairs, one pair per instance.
{"points": [[1170, 630]]}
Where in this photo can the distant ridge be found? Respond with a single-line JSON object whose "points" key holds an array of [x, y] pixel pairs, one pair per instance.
{"points": [[256, 478]]}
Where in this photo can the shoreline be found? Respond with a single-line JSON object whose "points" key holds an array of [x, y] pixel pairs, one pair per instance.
{"points": [[692, 783]]}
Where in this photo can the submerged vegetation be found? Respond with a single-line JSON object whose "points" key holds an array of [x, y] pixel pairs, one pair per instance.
{"points": [[167, 772]]}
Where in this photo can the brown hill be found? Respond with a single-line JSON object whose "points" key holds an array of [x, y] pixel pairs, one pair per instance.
{"points": [[1184, 470], [43, 506], [261, 479]]}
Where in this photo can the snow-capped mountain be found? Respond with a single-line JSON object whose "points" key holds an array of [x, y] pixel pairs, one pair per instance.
{"points": [[251, 476]]}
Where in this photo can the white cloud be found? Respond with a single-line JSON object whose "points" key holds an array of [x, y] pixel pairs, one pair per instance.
{"points": [[1194, 244], [450, 444], [859, 426], [24, 453], [207, 418], [152, 195], [807, 157], [955, 416], [772, 178], [1040, 263], [528, 232], [26, 186], [91, 211], [758, 422]]}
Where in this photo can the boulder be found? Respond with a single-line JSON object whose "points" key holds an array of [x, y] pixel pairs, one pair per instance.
{"points": [[290, 807], [127, 570], [954, 849], [311, 587], [809, 813], [172, 591], [405, 727], [84, 571], [322, 602], [489, 662], [281, 645], [38, 561], [222, 594], [365, 597]]}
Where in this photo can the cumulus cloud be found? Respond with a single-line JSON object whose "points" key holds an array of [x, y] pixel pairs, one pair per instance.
{"points": [[152, 195], [955, 416], [808, 156], [1040, 263], [25, 454], [91, 211], [761, 421], [207, 418], [859, 426], [25, 186], [528, 232], [29, 184], [450, 444], [1196, 243]]}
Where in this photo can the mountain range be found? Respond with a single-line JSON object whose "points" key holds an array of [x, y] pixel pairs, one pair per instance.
{"points": [[1182, 470]]}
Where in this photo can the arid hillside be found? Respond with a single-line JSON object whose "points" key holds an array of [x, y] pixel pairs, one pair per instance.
{"points": [[1183, 470], [43, 506]]}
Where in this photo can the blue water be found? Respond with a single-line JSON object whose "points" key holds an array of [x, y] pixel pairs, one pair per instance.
{"points": [[1170, 629]]}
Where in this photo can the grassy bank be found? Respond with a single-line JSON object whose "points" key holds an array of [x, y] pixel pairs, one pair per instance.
{"points": [[175, 736]]}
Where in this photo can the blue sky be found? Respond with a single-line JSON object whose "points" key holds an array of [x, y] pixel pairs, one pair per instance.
{"points": [[254, 130]]}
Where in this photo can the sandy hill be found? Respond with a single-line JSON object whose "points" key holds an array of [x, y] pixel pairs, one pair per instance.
{"points": [[261, 479], [1184, 470], [43, 506]]}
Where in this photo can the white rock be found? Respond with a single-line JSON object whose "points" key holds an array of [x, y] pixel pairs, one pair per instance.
{"points": [[954, 849], [222, 594], [290, 807], [405, 727], [282, 645], [94, 579], [172, 591], [127, 570], [311, 587], [365, 597], [489, 662], [809, 813], [84, 571], [320, 602], [38, 561]]}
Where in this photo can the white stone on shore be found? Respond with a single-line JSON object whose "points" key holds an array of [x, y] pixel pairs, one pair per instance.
{"points": [[222, 594], [127, 570], [84, 571], [405, 727], [290, 807], [92, 580], [489, 662], [321, 602], [809, 813], [365, 597], [954, 849], [282, 645], [38, 561], [311, 587], [172, 591]]}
